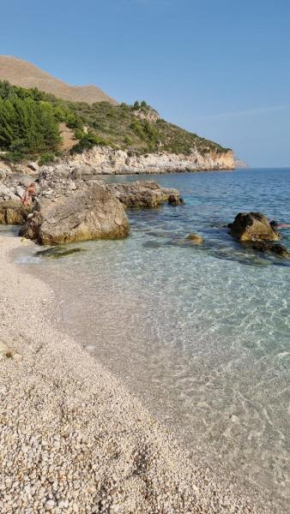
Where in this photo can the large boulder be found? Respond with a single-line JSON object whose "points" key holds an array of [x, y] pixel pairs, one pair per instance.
{"points": [[142, 194], [91, 214], [13, 213], [253, 226]]}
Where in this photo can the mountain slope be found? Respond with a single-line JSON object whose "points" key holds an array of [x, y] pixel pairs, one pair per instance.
{"points": [[24, 74], [34, 124]]}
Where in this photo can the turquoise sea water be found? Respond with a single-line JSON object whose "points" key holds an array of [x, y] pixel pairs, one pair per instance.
{"points": [[200, 334]]}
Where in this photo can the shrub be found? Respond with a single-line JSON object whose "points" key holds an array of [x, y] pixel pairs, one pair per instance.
{"points": [[88, 141], [46, 158], [127, 140]]}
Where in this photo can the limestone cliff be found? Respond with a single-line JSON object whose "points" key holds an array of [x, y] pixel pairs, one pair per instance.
{"points": [[109, 161]]}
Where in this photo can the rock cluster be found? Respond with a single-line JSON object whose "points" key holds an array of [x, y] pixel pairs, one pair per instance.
{"points": [[143, 194], [254, 229], [74, 205], [253, 226], [13, 213], [12, 190], [90, 214], [64, 180], [64, 209]]}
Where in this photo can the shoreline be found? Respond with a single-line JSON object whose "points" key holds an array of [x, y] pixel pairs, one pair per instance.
{"points": [[72, 438]]}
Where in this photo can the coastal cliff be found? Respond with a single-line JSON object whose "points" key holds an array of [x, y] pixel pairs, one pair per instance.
{"points": [[114, 139], [108, 161]]}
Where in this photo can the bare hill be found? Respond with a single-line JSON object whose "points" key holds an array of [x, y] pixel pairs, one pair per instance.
{"points": [[24, 74]]}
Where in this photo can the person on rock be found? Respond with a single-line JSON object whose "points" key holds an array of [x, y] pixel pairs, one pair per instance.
{"points": [[29, 195], [279, 226]]}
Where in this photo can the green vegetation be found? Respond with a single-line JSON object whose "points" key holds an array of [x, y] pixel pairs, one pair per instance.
{"points": [[46, 158], [124, 126], [29, 123], [87, 140], [29, 126]]}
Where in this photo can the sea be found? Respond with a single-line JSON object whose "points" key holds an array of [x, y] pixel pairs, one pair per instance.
{"points": [[199, 333]]}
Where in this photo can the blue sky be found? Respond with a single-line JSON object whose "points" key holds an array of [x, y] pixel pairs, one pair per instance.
{"points": [[220, 68]]}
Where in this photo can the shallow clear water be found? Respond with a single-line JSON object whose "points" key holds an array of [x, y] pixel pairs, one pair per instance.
{"points": [[200, 334]]}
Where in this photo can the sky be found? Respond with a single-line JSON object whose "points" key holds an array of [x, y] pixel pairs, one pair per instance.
{"points": [[219, 68]]}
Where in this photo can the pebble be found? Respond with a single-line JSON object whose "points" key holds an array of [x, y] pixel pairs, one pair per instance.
{"points": [[72, 440], [49, 505]]}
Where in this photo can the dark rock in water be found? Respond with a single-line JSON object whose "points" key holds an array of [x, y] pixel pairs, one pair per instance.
{"points": [[253, 226], [13, 213], [142, 194], [58, 252], [152, 244], [195, 239], [221, 225], [268, 246], [175, 200], [90, 214]]}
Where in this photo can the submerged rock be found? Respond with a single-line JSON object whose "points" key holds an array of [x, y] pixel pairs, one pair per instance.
{"points": [[142, 194], [268, 246], [253, 226], [58, 252], [90, 214], [13, 213], [175, 200], [195, 239]]}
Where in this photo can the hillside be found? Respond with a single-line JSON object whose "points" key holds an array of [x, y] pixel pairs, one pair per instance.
{"points": [[140, 128], [37, 125], [24, 74]]}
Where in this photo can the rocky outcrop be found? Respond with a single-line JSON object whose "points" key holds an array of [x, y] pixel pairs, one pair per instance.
{"points": [[240, 165], [65, 180], [108, 161], [57, 182], [103, 160], [148, 114], [90, 214], [143, 194], [253, 226], [12, 189], [195, 239], [13, 213], [5, 171]]}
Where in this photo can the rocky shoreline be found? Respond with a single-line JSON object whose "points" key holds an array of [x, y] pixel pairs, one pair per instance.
{"points": [[104, 160], [72, 439], [69, 204], [109, 161]]}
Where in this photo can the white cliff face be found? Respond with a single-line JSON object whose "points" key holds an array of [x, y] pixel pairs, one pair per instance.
{"points": [[108, 161]]}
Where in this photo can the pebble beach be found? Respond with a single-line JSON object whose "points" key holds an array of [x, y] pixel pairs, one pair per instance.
{"points": [[72, 439]]}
